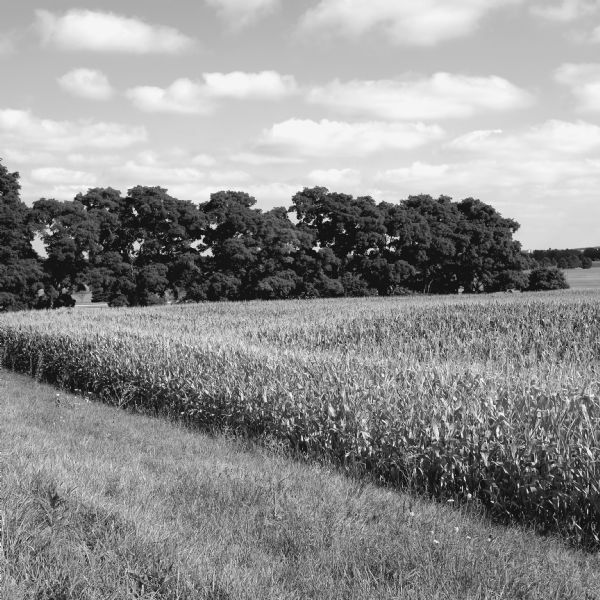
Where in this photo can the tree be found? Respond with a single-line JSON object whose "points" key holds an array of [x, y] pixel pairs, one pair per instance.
{"points": [[21, 275], [547, 278], [487, 256]]}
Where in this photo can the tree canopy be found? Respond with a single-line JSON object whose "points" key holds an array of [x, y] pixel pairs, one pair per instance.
{"points": [[146, 247], [21, 274]]}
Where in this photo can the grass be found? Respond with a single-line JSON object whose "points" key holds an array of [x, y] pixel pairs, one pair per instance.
{"points": [[97, 503], [584, 279], [494, 398]]}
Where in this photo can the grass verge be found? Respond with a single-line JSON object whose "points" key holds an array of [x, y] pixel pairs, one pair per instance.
{"points": [[96, 503]]}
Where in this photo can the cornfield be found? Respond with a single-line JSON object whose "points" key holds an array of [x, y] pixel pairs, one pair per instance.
{"points": [[492, 399]]}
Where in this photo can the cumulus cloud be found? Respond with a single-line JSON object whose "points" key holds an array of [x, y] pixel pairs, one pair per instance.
{"points": [[551, 138], [257, 159], [80, 29], [193, 97], [21, 128], [335, 177], [7, 45], [57, 175], [326, 138], [547, 162], [565, 10], [418, 22], [443, 95], [265, 85], [87, 83], [152, 174], [203, 160], [240, 13], [584, 82], [182, 96]]}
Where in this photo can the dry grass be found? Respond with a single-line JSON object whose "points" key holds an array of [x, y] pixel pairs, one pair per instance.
{"points": [[98, 503]]}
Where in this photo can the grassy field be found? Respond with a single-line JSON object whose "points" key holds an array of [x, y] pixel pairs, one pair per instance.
{"points": [[96, 503], [491, 398], [584, 279]]}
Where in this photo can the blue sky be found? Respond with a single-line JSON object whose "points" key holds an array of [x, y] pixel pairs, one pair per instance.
{"points": [[495, 99]]}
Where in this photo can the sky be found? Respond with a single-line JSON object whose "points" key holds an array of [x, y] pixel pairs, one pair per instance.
{"points": [[492, 99]]}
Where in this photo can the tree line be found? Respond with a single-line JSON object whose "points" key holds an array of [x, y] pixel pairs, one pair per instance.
{"points": [[146, 246], [566, 259]]}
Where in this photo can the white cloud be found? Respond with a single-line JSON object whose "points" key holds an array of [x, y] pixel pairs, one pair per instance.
{"points": [[265, 85], [190, 97], [551, 138], [87, 83], [93, 160], [57, 175], [565, 10], [511, 178], [418, 22], [327, 138], [229, 178], [150, 174], [335, 177], [20, 128], [7, 45], [443, 95], [239, 13], [80, 29], [25, 155], [182, 96], [257, 159], [544, 164], [584, 82], [203, 160]]}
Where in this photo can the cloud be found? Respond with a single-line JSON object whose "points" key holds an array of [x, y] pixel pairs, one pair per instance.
{"points": [[327, 138], [7, 45], [551, 138], [335, 177], [182, 96], [240, 13], [584, 82], [443, 95], [149, 174], [257, 159], [512, 178], [57, 175], [546, 163], [203, 160], [80, 29], [191, 97], [265, 85], [21, 128], [416, 22], [565, 10], [86, 83]]}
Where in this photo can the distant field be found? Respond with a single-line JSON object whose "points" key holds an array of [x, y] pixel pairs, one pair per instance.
{"points": [[494, 398], [580, 279]]}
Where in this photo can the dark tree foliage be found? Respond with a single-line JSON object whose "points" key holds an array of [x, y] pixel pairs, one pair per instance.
{"points": [[148, 247], [564, 259], [21, 275], [547, 278]]}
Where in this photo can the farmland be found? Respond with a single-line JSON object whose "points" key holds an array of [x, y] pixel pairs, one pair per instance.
{"points": [[580, 279], [490, 399]]}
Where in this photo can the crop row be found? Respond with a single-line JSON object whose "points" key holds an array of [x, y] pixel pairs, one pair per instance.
{"points": [[523, 437]]}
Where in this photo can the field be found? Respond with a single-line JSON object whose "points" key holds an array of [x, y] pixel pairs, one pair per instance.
{"points": [[493, 400], [98, 504], [584, 279]]}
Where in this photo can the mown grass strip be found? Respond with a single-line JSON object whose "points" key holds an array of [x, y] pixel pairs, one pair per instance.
{"points": [[98, 503]]}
